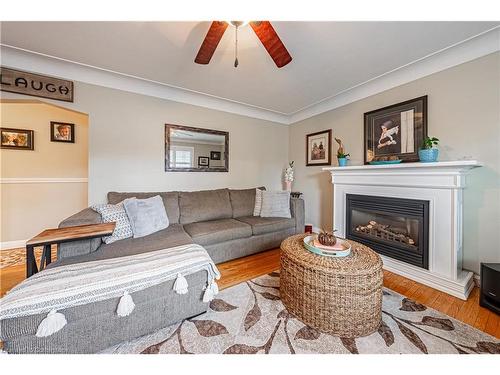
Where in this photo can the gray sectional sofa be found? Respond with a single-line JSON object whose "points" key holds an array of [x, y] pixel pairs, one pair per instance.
{"points": [[221, 220]]}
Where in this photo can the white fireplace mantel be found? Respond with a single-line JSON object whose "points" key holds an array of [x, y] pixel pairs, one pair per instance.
{"points": [[440, 183]]}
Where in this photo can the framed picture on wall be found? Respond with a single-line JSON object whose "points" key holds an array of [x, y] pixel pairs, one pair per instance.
{"points": [[214, 155], [203, 161], [17, 139], [318, 148], [62, 132], [396, 131]]}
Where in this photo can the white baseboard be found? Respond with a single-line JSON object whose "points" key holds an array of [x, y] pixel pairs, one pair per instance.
{"points": [[460, 288], [12, 244]]}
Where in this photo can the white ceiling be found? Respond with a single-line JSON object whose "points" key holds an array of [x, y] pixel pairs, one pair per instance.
{"points": [[328, 57], [197, 137]]}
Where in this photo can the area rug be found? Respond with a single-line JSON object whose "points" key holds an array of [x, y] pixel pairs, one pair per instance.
{"points": [[249, 318]]}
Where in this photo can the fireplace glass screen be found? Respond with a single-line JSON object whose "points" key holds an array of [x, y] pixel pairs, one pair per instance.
{"points": [[393, 227]]}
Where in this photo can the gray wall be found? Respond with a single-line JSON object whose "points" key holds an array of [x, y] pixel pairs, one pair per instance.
{"points": [[464, 113], [126, 144]]}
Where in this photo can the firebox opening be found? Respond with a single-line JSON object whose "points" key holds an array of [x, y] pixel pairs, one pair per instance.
{"points": [[394, 227]]}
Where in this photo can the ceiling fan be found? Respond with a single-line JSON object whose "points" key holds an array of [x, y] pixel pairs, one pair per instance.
{"points": [[264, 31]]}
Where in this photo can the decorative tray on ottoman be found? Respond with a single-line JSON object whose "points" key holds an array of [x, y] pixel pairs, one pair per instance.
{"points": [[341, 249]]}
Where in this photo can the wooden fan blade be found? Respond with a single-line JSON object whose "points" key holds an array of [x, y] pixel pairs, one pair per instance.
{"points": [[272, 42], [210, 42]]}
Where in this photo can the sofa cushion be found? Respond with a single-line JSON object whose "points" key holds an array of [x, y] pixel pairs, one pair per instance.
{"points": [[215, 231], [95, 326], [275, 204], [73, 248], [174, 235], [258, 202], [146, 216], [196, 206], [228, 250], [84, 217], [243, 201], [262, 225], [170, 201], [115, 213]]}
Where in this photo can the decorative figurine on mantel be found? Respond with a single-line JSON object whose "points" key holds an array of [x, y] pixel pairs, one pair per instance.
{"points": [[341, 155], [289, 176]]}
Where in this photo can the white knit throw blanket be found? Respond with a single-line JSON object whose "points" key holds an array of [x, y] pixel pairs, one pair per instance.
{"points": [[82, 283]]}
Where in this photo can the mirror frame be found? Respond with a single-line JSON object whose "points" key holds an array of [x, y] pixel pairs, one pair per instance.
{"points": [[168, 127]]}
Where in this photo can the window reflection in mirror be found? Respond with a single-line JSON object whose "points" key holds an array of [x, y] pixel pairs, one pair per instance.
{"points": [[192, 149]]}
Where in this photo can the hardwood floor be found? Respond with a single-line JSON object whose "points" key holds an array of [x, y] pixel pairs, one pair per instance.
{"points": [[236, 271]]}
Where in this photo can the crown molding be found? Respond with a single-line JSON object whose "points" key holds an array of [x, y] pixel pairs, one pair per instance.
{"points": [[470, 49], [467, 50], [27, 60]]}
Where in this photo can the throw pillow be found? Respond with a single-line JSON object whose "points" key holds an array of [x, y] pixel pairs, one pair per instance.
{"points": [[115, 213], [146, 216], [275, 204], [258, 202]]}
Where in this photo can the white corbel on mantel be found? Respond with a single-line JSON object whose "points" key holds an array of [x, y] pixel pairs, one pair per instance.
{"points": [[440, 183]]}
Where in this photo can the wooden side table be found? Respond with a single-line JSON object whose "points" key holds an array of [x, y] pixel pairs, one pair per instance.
{"points": [[55, 236]]}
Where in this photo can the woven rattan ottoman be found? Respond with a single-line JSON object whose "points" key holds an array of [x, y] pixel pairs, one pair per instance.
{"points": [[339, 296]]}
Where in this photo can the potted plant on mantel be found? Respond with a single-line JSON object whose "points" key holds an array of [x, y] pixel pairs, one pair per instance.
{"points": [[341, 155], [429, 152]]}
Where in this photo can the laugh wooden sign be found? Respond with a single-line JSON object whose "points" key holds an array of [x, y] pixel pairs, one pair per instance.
{"points": [[33, 84]]}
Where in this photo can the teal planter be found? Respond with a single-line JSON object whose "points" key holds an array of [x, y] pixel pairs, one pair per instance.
{"points": [[428, 155], [342, 162]]}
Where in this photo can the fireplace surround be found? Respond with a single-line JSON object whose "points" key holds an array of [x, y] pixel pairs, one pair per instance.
{"points": [[441, 185]]}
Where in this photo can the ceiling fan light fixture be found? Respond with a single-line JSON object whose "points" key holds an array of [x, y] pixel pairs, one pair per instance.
{"points": [[238, 23], [264, 31]]}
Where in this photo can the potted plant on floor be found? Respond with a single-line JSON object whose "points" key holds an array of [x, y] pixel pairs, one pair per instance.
{"points": [[429, 152], [341, 155]]}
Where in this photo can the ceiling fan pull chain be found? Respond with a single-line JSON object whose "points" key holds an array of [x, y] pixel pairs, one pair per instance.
{"points": [[236, 49]]}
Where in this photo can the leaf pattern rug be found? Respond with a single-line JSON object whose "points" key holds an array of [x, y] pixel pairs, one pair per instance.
{"points": [[250, 318]]}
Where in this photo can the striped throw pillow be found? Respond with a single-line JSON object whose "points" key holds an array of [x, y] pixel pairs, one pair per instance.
{"points": [[258, 202]]}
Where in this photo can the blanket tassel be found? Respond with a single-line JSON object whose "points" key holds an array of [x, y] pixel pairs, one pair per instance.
{"points": [[51, 324], [215, 288], [210, 291], [181, 284], [126, 305]]}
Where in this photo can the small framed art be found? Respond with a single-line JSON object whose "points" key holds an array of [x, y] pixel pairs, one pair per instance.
{"points": [[214, 155], [62, 132], [203, 161], [318, 148], [17, 139]]}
